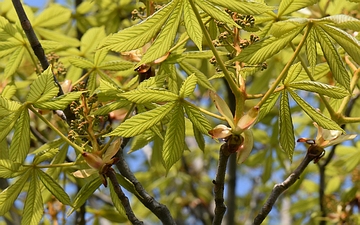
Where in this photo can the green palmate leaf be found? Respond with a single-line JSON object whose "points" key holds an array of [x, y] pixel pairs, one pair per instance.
{"points": [[54, 187], [7, 106], [293, 72], [141, 140], [348, 42], [47, 154], [287, 137], [81, 62], [283, 27], [43, 88], [57, 36], [47, 146], [342, 21], [174, 142], [116, 201], [197, 119], [145, 95], [268, 105], [216, 12], [85, 192], [333, 58], [8, 92], [125, 183], [20, 144], [188, 86], [321, 70], [317, 117], [201, 78], [8, 30], [192, 26], [223, 109], [106, 109], [10, 194], [243, 6], [60, 102], [14, 62], [325, 89], [264, 49], [7, 123], [141, 122], [289, 6], [199, 138], [33, 207], [206, 54], [91, 39], [108, 91], [8, 168], [53, 16], [118, 65], [165, 39], [311, 50], [137, 36]]}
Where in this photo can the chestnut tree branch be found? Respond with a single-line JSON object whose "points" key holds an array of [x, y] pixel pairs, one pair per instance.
{"points": [[281, 187]]}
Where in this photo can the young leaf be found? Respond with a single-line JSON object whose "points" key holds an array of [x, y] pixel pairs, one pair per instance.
{"points": [[9, 91], [43, 88], [199, 138], [8, 168], [188, 86], [85, 192], [33, 207], [215, 12], [289, 6], [198, 120], [20, 144], [347, 41], [287, 137], [54, 187], [268, 105], [81, 62], [223, 108], [118, 65], [333, 58], [201, 78], [265, 48], [192, 26], [342, 21], [7, 123], [293, 72], [325, 89], [7, 106], [317, 117], [60, 102], [311, 50], [143, 121], [137, 36], [145, 95], [165, 39], [14, 62], [174, 138], [106, 109], [243, 6], [53, 16], [10, 194], [283, 27], [116, 201]]}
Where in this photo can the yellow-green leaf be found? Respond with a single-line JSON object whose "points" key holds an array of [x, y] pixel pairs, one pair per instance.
{"points": [[53, 16], [188, 86], [321, 88], [243, 6], [43, 88], [287, 137], [14, 61], [289, 6], [192, 25], [144, 95]]}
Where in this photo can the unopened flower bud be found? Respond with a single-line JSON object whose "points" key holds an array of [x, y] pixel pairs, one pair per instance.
{"points": [[93, 160], [220, 131]]}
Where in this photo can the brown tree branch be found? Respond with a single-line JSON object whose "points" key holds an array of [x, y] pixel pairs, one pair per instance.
{"points": [[281, 187], [219, 182], [160, 210], [124, 200]]}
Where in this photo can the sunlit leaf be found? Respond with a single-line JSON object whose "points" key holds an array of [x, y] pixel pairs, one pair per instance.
{"points": [[43, 88], [7, 123], [141, 122], [165, 39], [265, 48], [60, 102], [201, 77], [33, 207], [317, 117], [14, 62], [341, 21], [54, 187], [283, 27], [223, 109], [268, 105], [243, 6], [20, 144], [188, 86], [174, 138], [81, 62], [119, 65], [192, 25], [287, 136], [197, 119], [8, 92], [311, 50], [106, 109], [289, 6], [116, 201], [145, 95], [138, 35], [199, 138], [53, 16], [11, 193], [293, 72], [7, 106], [8, 168], [333, 58], [325, 89]]}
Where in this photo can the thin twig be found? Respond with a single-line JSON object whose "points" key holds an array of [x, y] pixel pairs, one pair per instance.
{"points": [[220, 207], [281, 187], [124, 200], [160, 210]]}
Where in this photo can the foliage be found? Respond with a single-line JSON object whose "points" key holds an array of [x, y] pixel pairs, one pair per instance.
{"points": [[166, 77]]}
